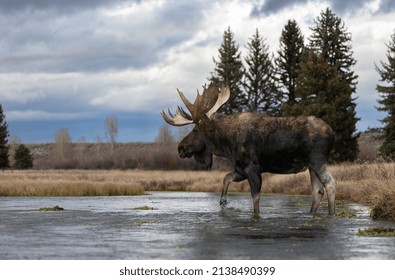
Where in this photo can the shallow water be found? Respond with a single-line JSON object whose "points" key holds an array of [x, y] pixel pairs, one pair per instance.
{"points": [[184, 226]]}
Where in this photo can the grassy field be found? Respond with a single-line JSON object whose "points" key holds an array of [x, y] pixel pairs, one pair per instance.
{"points": [[371, 184]]}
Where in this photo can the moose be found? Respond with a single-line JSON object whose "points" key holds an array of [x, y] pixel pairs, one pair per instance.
{"points": [[255, 143]]}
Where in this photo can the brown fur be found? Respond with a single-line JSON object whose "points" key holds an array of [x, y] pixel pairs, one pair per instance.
{"points": [[254, 144]]}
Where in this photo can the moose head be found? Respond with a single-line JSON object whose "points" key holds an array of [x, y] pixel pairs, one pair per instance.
{"points": [[200, 114]]}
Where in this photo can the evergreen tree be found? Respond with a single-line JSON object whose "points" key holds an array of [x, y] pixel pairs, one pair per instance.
{"points": [[4, 148], [259, 83], [23, 158], [288, 62], [311, 83], [331, 39], [387, 98], [229, 70], [331, 42], [317, 90]]}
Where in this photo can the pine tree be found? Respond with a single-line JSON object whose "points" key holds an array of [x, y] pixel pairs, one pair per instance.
{"points": [[259, 84], [288, 62], [4, 148], [317, 90], [312, 83], [387, 99], [331, 41], [23, 158], [229, 70]]}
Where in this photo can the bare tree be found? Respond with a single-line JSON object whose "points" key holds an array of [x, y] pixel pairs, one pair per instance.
{"points": [[182, 132], [98, 146], [112, 129], [165, 135], [14, 142], [81, 147], [62, 142]]}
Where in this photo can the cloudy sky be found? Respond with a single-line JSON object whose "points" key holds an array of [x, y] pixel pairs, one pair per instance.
{"points": [[69, 64]]}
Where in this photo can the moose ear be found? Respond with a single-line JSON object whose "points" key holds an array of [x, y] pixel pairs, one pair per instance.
{"points": [[223, 97]]}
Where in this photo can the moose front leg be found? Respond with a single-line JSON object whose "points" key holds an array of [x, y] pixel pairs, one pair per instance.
{"points": [[229, 178]]}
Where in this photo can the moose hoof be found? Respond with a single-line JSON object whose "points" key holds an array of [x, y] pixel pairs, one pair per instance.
{"points": [[223, 202]]}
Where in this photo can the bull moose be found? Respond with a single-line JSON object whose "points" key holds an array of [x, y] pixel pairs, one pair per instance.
{"points": [[255, 143]]}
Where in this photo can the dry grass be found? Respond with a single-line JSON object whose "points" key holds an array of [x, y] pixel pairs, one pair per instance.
{"points": [[96, 183], [371, 184], [66, 183]]}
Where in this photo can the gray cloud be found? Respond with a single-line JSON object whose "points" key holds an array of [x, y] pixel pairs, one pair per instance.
{"points": [[88, 40], [58, 5], [274, 6], [387, 6], [340, 7]]}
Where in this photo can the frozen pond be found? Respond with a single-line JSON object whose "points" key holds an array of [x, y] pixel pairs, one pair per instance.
{"points": [[184, 225]]}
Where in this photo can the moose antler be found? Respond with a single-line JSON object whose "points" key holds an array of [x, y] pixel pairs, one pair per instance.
{"points": [[178, 119], [223, 97], [204, 106]]}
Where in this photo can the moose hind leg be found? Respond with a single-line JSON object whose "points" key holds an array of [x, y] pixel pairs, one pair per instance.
{"points": [[229, 178], [329, 183], [317, 191], [255, 181]]}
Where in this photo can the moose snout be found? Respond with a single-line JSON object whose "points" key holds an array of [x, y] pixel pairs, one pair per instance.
{"points": [[184, 152]]}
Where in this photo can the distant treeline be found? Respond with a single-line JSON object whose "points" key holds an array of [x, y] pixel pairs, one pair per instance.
{"points": [[144, 156]]}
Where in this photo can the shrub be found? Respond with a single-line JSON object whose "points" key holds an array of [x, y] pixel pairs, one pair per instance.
{"points": [[23, 158]]}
